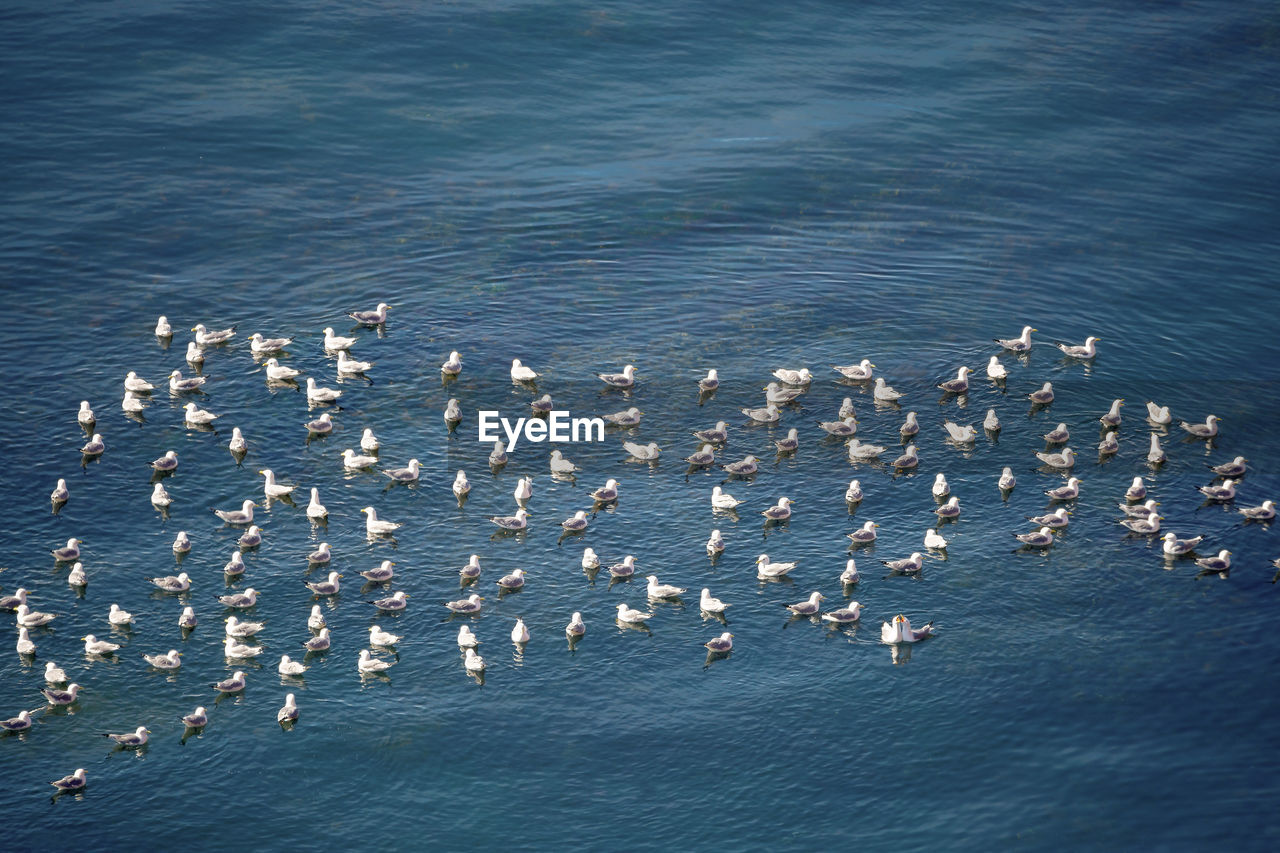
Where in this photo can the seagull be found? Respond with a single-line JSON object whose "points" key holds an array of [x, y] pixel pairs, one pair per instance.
{"points": [[1208, 429], [196, 416], [861, 371], [1225, 492], [497, 456], [466, 639], [519, 521], [234, 684], [28, 618], [721, 499], [1041, 538], [452, 414], [996, 370], [272, 489], [61, 697], [187, 619], [471, 570], [950, 509], [240, 600], [865, 534], [524, 490], [392, 604], [645, 453], [94, 446], [160, 496], [288, 713], [708, 604], [1235, 468], [1112, 417], [1084, 351], [703, 457], [630, 616], [288, 666], [251, 538], [333, 342], [135, 383], [769, 414], [85, 415], [851, 612], [1140, 510], [1044, 396], [625, 379], [179, 583], [368, 665], [959, 434], [1109, 445], [325, 587], [577, 523], [715, 543], [907, 565], [717, 434], [234, 650], [958, 385], [542, 405], [933, 540], [910, 459], [204, 337], [453, 365], [790, 443], [1265, 512], [520, 373], [1022, 343], [520, 633], [859, 452], [515, 580], [322, 425], [627, 418], [460, 484], [25, 646], [376, 317], [900, 631], [657, 590], [794, 377], [775, 393], [779, 512], [766, 569], [940, 486], [318, 394], [560, 465], [910, 426], [133, 739], [625, 569], [181, 543], [318, 643], [11, 602], [68, 553], [853, 494], [20, 723], [236, 628], [1058, 435], [178, 385], [710, 382], [163, 329], [316, 620], [846, 409], [468, 605], [321, 554], [75, 782], [721, 644], [377, 527], [354, 461], [173, 660], [1065, 459], [884, 393], [991, 423], [850, 574], [607, 493], [198, 718], [259, 344], [315, 509], [1145, 525], [348, 366], [54, 674], [383, 573], [1158, 414], [195, 355], [132, 403], [1055, 520], [379, 637], [168, 462], [1220, 563], [590, 560], [841, 428], [809, 607], [94, 646]]}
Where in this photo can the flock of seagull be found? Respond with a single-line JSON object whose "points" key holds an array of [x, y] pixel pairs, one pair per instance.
{"points": [[1139, 514]]}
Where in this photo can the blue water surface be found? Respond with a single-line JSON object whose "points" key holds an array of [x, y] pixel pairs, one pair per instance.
{"points": [[743, 186]]}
